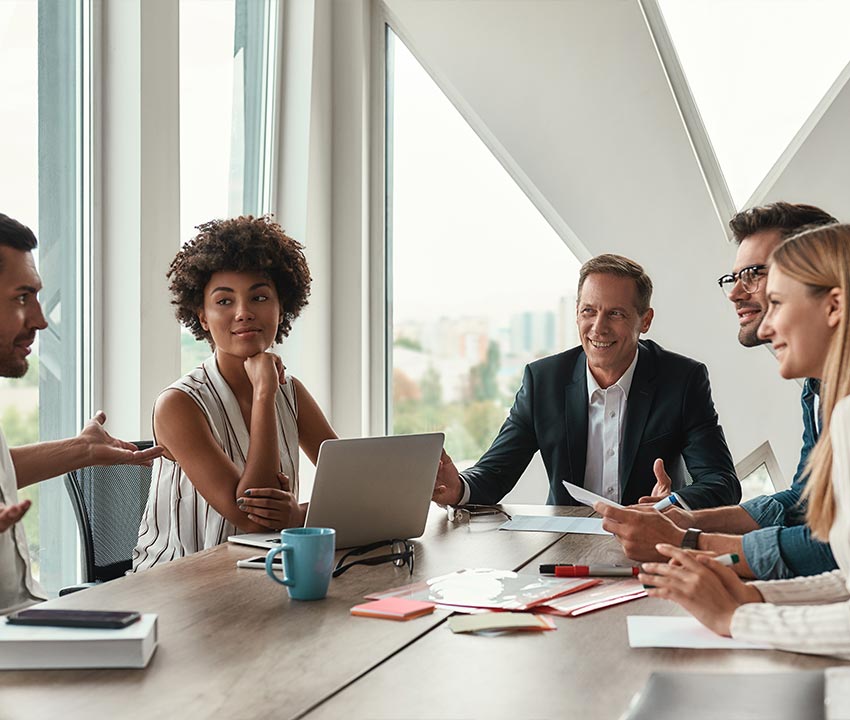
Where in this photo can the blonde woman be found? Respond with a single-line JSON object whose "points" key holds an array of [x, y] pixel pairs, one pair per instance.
{"points": [[808, 290]]}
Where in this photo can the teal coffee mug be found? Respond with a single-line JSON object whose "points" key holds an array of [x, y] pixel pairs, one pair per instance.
{"points": [[308, 561]]}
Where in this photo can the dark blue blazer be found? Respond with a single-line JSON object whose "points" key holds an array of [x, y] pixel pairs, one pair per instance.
{"points": [[669, 415]]}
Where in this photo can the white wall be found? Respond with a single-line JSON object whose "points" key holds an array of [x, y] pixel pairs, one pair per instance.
{"points": [[816, 169], [574, 101]]}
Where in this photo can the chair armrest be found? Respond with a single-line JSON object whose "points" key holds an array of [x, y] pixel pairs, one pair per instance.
{"points": [[76, 588]]}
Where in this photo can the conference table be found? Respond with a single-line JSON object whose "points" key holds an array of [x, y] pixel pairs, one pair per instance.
{"points": [[232, 644]]}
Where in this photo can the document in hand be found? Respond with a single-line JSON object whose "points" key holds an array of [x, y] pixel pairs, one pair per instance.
{"points": [[585, 497], [496, 589], [602, 596], [41, 647]]}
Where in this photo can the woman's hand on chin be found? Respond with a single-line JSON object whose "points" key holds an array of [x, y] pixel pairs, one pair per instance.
{"points": [[263, 370]]}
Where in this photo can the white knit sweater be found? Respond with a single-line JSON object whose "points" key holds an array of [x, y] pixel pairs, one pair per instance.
{"points": [[811, 614]]}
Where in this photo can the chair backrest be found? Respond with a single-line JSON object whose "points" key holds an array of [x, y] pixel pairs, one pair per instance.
{"points": [[109, 502]]}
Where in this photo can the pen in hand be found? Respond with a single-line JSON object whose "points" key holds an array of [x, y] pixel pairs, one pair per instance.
{"points": [[671, 500]]}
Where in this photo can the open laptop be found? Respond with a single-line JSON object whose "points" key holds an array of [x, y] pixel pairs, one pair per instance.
{"points": [[369, 489]]}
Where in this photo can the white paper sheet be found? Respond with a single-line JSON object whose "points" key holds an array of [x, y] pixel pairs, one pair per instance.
{"points": [[679, 632], [586, 497], [537, 523], [837, 693]]}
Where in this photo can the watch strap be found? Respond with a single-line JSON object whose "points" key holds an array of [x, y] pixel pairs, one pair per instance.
{"points": [[691, 538]]}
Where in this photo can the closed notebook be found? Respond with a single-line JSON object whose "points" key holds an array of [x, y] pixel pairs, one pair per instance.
{"points": [[393, 609], [42, 647]]}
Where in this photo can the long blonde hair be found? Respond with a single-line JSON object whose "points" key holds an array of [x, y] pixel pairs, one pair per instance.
{"points": [[820, 259]]}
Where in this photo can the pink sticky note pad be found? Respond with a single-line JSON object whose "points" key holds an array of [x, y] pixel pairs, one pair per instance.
{"points": [[393, 609]]}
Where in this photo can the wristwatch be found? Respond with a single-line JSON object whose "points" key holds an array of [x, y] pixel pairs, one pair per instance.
{"points": [[691, 539]]}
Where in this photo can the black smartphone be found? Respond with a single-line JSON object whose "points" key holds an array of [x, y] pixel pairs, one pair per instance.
{"points": [[74, 618]]}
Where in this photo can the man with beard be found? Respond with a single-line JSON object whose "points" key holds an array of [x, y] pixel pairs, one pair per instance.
{"points": [[20, 318], [768, 533]]}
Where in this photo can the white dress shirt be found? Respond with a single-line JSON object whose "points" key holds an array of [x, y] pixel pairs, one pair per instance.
{"points": [[606, 417], [18, 588]]}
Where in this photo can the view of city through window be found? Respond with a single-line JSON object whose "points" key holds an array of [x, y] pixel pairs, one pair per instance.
{"points": [[480, 283]]}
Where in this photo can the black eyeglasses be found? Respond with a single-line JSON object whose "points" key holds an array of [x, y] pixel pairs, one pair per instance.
{"points": [[465, 513], [401, 554], [749, 276]]}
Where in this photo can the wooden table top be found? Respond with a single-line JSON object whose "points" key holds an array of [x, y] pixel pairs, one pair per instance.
{"points": [[585, 669], [231, 642]]}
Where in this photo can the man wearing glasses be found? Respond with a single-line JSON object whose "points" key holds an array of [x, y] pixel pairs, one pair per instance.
{"points": [[609, 413], [768, 532]]}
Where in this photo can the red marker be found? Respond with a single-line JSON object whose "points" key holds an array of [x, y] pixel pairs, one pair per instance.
{"points": [[595, 570]]}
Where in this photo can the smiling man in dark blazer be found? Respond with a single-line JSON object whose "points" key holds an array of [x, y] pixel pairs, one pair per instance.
{"points": [[614, 415]]}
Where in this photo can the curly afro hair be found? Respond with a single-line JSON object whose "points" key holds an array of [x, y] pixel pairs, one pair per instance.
{"points": [[243, 244]]}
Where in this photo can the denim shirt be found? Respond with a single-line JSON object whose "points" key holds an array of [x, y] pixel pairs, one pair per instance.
{"points": [[783, 547]]}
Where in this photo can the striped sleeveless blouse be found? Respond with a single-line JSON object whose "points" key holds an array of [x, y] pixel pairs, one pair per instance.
{"points": [[178, 521]]}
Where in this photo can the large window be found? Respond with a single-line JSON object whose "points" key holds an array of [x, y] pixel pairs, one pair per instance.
{"points": [[479, 283], [228, 60], [45, 182]]}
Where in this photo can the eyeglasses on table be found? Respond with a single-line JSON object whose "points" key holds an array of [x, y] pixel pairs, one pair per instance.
{"points": [[466, 513], [401, 553]]}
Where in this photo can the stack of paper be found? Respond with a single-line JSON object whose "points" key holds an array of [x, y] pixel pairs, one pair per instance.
{"points": [[491, 589], [393, 609], [596, 598], [42, 647], [499, 621]]}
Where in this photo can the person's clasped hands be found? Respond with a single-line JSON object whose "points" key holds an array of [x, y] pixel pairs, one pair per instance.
{"points": [[711, 592], [275, 508]]}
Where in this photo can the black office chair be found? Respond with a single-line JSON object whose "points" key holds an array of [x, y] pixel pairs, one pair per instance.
{"points": [[109, 502]]}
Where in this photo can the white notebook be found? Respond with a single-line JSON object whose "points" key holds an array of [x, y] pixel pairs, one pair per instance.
{"points": [[30, 647]]}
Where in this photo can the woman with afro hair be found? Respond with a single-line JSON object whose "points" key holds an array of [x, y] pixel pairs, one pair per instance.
{"points": [[231, 428]]}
